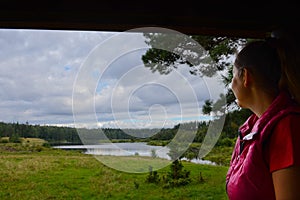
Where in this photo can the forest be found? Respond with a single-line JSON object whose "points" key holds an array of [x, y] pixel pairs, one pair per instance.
{"points": [[68, 135]]}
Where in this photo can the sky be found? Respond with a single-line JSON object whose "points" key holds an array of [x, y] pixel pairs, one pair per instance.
{"points": [[94, 80]]}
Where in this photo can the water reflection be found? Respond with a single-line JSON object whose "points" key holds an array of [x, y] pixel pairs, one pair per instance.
{"points": [[128, 149]]}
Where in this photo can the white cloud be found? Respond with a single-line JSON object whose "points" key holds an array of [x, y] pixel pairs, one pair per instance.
{"points": [[38, 70]]}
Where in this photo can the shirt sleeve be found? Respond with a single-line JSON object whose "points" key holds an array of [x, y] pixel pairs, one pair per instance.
{"points": [[284, 146]]}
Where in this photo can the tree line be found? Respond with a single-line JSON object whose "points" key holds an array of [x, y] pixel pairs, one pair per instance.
{"points": [[69, 135]]}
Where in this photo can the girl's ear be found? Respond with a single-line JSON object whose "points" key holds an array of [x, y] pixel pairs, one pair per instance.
{"points": [[246, 77]]}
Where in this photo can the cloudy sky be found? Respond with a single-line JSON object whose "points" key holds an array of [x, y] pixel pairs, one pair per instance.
{"points": [[93, 79]]}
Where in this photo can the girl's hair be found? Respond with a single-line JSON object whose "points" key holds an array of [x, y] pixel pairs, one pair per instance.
{"points": [[274, 62], [289, 53], [262, 61]]}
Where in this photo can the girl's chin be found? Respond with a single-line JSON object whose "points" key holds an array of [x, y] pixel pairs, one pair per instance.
{"points": [[238, 103]]}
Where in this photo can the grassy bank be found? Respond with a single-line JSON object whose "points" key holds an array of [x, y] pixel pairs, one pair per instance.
{"points": [[28, 172]]}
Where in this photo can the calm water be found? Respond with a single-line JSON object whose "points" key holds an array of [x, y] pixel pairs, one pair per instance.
{"points": [[127, 149]]}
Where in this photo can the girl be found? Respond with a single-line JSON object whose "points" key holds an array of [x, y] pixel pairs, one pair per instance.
{"points": [[266, 159]]}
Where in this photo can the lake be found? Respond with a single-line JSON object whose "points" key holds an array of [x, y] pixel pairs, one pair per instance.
{"points": [[127, 149]]}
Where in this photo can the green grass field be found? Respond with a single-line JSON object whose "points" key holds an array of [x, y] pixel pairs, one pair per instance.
{"points": [[28, 172]]}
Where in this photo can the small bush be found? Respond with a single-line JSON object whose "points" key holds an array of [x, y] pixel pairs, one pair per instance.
{"points": [[153, 176], [177, 176]]}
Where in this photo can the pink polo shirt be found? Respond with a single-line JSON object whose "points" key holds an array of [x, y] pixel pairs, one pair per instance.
{"points": [[265, 144], [283, 150]]}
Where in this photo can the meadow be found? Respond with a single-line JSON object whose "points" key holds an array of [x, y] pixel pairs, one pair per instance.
{"points": [[29, 170]]}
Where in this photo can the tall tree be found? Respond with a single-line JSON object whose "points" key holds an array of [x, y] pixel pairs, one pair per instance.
{"points": [[207, 107], [217, 53]]}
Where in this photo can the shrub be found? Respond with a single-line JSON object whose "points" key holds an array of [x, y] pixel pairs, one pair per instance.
{"points": [[153, 176], [177, 176]]}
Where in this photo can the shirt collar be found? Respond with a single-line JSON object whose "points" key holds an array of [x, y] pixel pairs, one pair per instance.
{"points": [[254, 124]]}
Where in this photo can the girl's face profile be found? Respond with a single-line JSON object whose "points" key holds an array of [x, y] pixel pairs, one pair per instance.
{"points": [[237, 86]]}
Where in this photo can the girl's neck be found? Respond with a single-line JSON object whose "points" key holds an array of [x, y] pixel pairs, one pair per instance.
{"points": [[261, 102]]}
